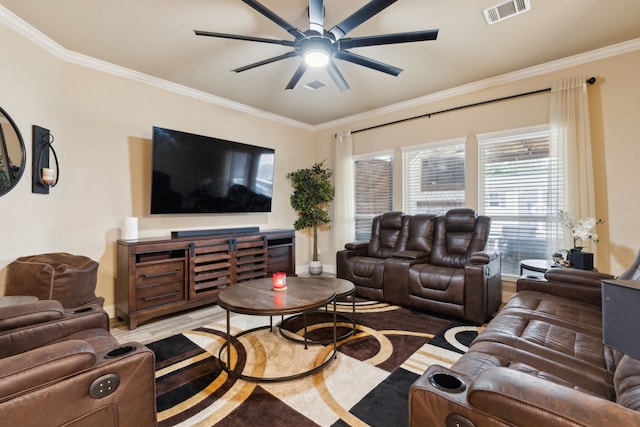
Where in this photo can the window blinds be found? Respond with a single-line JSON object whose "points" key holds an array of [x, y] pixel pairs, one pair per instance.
{"points": [[434, 177], [519, 190], [373, 184]]}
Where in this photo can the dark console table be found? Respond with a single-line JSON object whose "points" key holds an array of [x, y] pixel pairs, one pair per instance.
{"points": [[156, 277]]}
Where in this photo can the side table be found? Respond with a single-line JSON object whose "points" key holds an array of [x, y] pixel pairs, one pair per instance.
{"points": [[536, 266]]}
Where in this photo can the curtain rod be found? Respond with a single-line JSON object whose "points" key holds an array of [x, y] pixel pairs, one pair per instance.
{"points": [[590, 81]]}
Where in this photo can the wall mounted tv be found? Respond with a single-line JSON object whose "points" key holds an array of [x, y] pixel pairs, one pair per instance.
{"points": [[199, 174]]}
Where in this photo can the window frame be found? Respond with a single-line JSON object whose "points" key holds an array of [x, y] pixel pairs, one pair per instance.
{"points": [[407, 181]]}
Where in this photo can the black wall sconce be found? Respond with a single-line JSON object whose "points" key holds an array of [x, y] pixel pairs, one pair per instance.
{"points": [[43, 176]]}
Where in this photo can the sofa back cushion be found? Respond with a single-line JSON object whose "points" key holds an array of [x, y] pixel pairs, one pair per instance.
{"points": [[388, 234], [458, 234], [421, 228], [626, 381]]}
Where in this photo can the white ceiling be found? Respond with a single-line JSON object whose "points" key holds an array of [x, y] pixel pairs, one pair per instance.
{"points": [[155, 37]]}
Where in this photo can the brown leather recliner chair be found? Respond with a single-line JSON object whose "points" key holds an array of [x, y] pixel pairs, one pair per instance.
{"points": [[461, 279], [60, 367], [363, 263]]}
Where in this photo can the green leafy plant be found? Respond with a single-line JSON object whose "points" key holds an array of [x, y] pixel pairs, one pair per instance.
{"points": [[312, 194]]}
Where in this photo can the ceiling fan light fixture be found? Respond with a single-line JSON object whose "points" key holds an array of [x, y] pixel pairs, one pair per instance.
{"points": [[316, 58]]}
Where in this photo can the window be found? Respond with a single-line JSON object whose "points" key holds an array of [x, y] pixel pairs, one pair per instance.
{"points": [[434, 177], [520, 190], [373, 184]]}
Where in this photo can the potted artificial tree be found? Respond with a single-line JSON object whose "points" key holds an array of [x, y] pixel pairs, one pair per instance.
{"points": [[312, 193]]}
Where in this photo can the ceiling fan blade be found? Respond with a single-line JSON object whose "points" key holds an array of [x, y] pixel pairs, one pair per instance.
{"points": [[367, 62], [316, 16], [358, 17], [246, 38], [297, 75], [275, 18], [337, 77], [414, 36], [266, 61]]}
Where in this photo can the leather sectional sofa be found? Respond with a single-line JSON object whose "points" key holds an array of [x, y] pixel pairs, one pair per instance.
{"points": [[433, 263], [63, 367], [540, 362]]}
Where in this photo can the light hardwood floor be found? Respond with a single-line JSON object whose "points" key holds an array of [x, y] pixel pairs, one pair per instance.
{"points": [[164, 327]]}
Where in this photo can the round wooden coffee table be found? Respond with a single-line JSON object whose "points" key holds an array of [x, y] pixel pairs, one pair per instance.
{"points": [[258, 298]]}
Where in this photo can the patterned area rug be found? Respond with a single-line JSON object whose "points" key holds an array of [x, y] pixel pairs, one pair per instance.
{"points": [[366, 384]]}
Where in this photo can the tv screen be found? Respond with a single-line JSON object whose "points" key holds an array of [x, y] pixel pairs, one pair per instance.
{"points": [[199, 174]]}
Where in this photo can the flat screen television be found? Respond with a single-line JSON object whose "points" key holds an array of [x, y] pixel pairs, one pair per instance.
{"points": [[199, 174]]}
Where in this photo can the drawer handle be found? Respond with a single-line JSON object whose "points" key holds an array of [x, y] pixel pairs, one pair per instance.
{"points": [[164, 273], [160, 296]]}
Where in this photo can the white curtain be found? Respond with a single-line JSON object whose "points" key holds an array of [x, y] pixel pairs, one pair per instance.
{"points": [[344, 206], [571, 143]]}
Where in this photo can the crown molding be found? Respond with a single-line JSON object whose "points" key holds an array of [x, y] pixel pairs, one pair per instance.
{"points": [[23, 28], [537, 70]]}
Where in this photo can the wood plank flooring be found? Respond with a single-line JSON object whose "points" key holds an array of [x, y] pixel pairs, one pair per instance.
{"points": [[164, 327]]}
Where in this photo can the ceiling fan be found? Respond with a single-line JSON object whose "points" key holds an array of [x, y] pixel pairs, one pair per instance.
{"points": [[319, 47]]}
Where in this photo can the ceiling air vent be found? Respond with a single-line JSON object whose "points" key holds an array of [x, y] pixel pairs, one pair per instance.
{"points": [[314, 85], [505, 10]]}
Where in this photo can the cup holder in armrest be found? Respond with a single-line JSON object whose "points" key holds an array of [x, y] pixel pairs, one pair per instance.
{"points": [[119, 351], [83, 310], [447, 382]]}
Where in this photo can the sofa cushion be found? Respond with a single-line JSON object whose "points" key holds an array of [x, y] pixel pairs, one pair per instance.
{"points": [[457, 235], [388, 234], [485, 354], [627, 383], [420, 237], [367, 272], [444, 284], [555, 309]]}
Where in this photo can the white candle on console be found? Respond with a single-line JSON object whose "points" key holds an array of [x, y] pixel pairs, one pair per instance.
{"points": [[130, 230]]}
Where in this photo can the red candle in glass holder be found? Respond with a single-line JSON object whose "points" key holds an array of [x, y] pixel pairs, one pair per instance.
{"points": [[279, 281]]}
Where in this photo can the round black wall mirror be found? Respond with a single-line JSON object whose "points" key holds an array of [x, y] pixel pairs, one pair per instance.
{"points": [[12, 153]]}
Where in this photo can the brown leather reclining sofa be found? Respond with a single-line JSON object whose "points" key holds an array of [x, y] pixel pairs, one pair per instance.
{"points": [[540, 362], [433, 263], [63, 367]]}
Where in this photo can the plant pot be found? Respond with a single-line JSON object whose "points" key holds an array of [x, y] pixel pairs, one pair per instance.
{"points": [[581, 260], [315, 268]]}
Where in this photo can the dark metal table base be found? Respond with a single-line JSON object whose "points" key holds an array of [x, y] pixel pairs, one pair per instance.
{"points": [[227, 366], [291, 336]]}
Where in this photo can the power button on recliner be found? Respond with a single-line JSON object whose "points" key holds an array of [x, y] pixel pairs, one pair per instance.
{"points": [[456, 420], [104, 386]]}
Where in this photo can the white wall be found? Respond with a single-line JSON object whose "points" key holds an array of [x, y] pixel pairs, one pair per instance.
{"points": [[102, 126]]}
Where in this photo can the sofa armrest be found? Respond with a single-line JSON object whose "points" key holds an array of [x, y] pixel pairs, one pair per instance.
{"points": [[483, 257], [16, 316], [524, 400], [483, 286], [44, 365], [579, 285], [68, 400], [576, 276], [29, 337], [356, 246]]}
